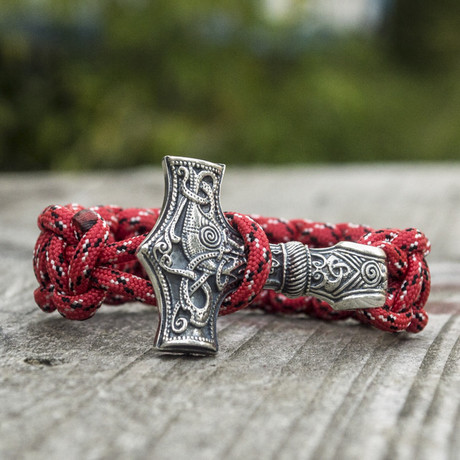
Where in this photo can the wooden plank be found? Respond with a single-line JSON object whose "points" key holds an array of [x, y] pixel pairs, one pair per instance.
{"points": [[423, 196], [280, 387]]}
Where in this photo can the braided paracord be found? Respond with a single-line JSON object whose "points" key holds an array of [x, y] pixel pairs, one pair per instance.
{"points": [[86, 257]]}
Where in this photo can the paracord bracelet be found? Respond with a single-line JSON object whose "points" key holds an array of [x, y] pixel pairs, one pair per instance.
{"points": [[200, 260]]}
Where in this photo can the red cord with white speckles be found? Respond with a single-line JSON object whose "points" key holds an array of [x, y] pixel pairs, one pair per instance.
{"points": [[86, 257]]}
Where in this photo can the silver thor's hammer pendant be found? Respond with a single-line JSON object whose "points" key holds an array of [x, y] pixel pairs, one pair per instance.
{"points": [[195, 259]]}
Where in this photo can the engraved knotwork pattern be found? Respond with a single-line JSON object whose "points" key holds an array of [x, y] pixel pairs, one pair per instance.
{"points": [[341, 273], [194, 254], [195, 259], [347, 275]]}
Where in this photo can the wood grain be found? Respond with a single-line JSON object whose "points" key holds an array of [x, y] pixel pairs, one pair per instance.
{"points": [[280, 387]]}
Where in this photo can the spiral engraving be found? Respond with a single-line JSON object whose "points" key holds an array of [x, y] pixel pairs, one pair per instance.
{"points": [[210, 237], [371, 273], [194, 259], [192, 256], [347, 275]]}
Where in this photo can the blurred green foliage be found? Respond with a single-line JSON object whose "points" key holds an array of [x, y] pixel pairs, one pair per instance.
{"points": [[87, 84]]}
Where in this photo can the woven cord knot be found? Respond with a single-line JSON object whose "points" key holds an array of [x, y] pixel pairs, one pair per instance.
{"points": [[408, 283], [80, 264]]}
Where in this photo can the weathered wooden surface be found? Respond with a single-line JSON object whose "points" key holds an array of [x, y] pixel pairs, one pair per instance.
{"points": [[280, 387]]}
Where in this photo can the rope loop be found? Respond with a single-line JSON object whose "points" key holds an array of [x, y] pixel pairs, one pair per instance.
{"points": [[258, 264], [409, 280]]}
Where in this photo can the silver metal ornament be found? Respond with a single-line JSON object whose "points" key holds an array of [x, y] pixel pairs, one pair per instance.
{"points": [[195, 259]]}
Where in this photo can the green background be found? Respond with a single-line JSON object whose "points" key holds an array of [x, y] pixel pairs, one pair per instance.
{"points": [[114, 84]]}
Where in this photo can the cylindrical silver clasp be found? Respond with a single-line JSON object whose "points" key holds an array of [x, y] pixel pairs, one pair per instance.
{"points": [[347, 276]]}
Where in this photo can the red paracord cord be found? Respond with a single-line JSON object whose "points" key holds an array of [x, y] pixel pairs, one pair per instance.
{"points": [[86, 257]]}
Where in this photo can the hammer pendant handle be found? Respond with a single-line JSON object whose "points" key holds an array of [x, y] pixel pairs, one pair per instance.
{"points": [[347, 276]]}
